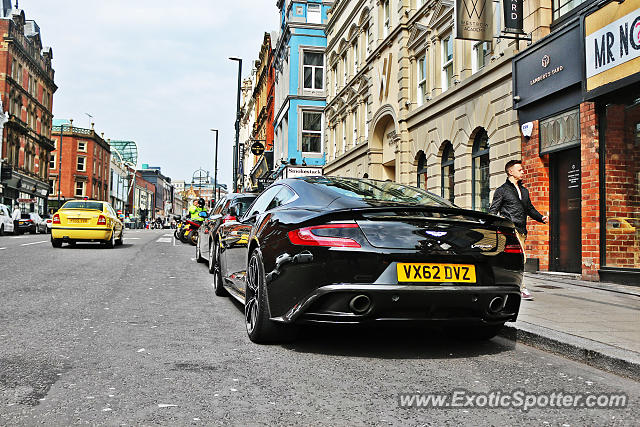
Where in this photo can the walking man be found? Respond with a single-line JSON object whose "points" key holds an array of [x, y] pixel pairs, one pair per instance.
{"points": [[511, 200]]}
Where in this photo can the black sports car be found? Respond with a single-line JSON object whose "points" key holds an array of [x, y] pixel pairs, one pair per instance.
{"points": [[341, 250]]}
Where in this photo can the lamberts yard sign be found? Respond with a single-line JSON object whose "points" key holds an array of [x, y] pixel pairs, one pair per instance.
{"points": [[612, 43]]}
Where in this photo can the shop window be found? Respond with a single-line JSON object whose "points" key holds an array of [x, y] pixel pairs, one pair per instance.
{"points": [[447, 62], [313, 70], [311, 132], [422, 170], [480, 171], [448, 172]]}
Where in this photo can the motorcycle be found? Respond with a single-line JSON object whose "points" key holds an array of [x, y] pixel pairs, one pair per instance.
{"points": [[191, 230]]}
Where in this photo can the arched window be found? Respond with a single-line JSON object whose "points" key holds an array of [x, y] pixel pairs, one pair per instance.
{"points": [[422, 170], [448, 172], [480, 171]]}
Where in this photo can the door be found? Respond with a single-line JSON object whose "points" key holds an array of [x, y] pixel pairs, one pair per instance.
{"points": [[566, 211]]}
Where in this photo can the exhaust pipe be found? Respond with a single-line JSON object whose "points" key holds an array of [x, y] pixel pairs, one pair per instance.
{"points": [[360, 304], [497, 304]]}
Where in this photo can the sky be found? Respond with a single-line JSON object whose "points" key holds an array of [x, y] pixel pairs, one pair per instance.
{"points": [[154, 71]]}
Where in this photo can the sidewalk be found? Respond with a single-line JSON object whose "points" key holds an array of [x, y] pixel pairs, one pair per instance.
{"points": [[593, 322]]}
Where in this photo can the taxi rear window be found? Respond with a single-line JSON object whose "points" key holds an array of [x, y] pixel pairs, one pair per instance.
{"points": [[83, 205]]}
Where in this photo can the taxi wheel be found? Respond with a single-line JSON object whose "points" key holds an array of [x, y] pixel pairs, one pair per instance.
{"points": [[56, 243], [111, 242], [120, 240], [199, 257], [2, 230]]}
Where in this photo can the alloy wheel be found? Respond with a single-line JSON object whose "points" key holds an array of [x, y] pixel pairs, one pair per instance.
{"points": [[252, 295]]}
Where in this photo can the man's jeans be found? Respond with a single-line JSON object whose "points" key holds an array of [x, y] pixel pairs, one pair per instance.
{"points": [[522, 238]]}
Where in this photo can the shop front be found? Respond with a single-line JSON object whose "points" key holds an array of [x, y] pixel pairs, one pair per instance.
{"points": [[28, 193], [612, 84], [547, 85]]}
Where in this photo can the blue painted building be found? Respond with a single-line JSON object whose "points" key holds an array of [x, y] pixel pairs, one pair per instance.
{"points": [[300, 88]]}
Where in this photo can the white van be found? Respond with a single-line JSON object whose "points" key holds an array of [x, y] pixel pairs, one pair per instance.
{"points": [[6, 223]]}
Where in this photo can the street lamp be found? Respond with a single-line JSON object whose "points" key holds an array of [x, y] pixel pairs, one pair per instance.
{"points": [[236, 148], [216, 194]]}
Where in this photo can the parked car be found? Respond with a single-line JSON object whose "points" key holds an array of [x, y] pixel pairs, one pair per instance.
{"points": [[86, 221], [6, 223], [342, 250], [220, 214], [28, 223], [41, 224], [48, 220]]}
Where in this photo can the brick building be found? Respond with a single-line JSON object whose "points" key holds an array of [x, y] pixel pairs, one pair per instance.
{"points": [[582, 159], [27, 87], [84, 158]]}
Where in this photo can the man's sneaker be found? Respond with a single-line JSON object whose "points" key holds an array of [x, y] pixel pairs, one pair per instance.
{"points": [[525, 294]]}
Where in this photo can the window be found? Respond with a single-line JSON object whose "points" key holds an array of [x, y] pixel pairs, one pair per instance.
{"points": [[448, 172], [480, 51], [52, 161], [263, 201], [422, 170], [344, 70], [52, 185], [284, 196], [386, 17], [355, 127], [79, 189], [334, 131], [82, 146], [81, 166], [314, 14], [335, 80], [447, 63], [366, 123], [313, 67], [311, 132], [480, 171], [354, 49], [422, 80], [562, 7], [344, 135], [366, 40]]}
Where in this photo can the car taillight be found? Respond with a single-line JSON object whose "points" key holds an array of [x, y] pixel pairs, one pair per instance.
{"points": [[329, 235], [56, 219], [229, 218], [102, 220], [512, 245]]}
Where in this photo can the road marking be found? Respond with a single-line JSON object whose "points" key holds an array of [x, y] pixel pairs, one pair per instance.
{"points": [[164, 240], [168, 235], [131, 238], [2, 248], [33, 243]]}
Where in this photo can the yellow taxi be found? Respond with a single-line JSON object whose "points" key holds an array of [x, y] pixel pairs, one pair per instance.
{"points": [[86, 221]]}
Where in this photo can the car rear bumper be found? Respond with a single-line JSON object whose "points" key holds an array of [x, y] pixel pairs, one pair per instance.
{"points": [[71, 233], [335, 304]]}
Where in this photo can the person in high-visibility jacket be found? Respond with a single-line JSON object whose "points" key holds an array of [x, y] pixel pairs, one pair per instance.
{"points": [[196, 208]]}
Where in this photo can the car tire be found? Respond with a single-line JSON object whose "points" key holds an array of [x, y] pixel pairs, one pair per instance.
{"points": [[260, 328], [120, 240], [111, 242], [56, 243], [2, 230], [218, 287], [199, 257]]}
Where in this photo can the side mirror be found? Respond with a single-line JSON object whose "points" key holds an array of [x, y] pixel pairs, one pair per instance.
{"points": [[203, 215]]}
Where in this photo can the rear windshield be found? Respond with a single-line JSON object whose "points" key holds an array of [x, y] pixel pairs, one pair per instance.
{"points": [[383, 191], [83, 205], [25, 216]]}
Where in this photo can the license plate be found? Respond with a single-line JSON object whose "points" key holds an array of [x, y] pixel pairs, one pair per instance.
{"points": [[429, 272], [78, 220]]}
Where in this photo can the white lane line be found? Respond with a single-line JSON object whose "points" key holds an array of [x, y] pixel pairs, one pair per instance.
{"points": [[164, 240], [168, 234], [33, 243], [174, 240], [2, 248], [131, 238]]}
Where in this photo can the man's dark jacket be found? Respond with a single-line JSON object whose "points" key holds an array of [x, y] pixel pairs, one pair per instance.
{"points": [[507, 204]]}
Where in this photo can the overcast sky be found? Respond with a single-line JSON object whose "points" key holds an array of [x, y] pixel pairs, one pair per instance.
{"points": [[154, 71]]}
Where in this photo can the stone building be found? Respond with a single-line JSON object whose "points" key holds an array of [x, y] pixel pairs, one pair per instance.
{"points": [[27, 87]]}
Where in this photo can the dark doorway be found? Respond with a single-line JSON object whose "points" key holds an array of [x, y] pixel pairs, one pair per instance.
{"points": [[566, 211]]}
